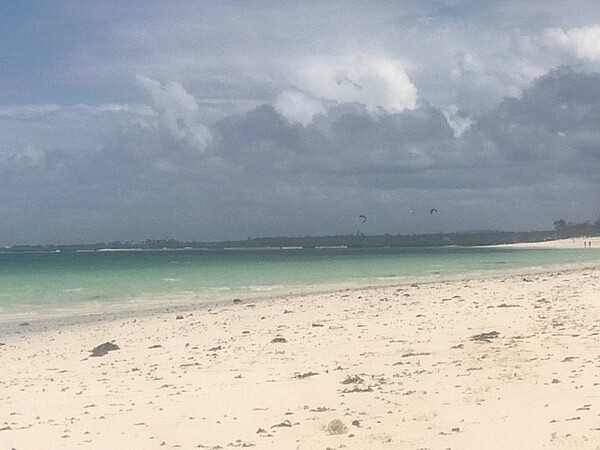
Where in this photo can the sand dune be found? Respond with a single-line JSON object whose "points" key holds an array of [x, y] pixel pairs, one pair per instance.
{"points": [[503, 363]]}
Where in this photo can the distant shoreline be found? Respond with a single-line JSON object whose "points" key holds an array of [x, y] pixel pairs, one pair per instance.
{"points": [[351, 241], [572, 243]]}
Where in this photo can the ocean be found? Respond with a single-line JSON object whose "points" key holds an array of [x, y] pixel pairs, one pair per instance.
{"points": [[55, 284]]}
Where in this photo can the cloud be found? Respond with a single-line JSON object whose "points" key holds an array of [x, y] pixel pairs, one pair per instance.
{"points": [[517, 165], [458, 120], [470, 55], [178, 113], [298, 107], [380, 84], [581, 42], [376, 82], [178, 121]]}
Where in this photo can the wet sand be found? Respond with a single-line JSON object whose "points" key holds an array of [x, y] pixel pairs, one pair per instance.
{"points": [[500, 363]]}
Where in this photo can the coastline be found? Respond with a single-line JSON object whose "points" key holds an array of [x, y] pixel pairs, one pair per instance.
{"points": [[414, 365], [180, 283], [188, 303]]}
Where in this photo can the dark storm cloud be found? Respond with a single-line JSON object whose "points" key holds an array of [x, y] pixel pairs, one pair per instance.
{"points": [[548, 132], [551, 128]]}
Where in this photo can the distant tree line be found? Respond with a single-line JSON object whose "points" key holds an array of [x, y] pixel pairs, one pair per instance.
{"points": [[562, 230], [566, 229]]}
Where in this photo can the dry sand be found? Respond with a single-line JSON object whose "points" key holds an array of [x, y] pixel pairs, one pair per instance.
{"points": [[398, 367], [558, 243]]}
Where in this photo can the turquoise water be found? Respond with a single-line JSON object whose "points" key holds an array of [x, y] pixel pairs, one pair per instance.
{"points": [[64, 281]]}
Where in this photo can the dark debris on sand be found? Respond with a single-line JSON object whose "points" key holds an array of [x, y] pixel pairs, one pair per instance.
{"points": [[352, 379], [411, 354], [285, 424], [357, 389], [336, 426], [305, 375], [485, 337], [103, 349]]}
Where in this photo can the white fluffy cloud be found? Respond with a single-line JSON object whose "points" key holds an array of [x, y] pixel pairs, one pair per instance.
{"points": [[376, 82], [297, 107], [178, 112], [582, 42], [458, 120]]}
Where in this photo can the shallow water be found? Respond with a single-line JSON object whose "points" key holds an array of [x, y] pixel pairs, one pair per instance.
{"points": [[55, 283]]}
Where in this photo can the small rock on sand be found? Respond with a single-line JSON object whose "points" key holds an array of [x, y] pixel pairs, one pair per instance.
{"points": [[352, 379], [103, 349], [336, 426]]}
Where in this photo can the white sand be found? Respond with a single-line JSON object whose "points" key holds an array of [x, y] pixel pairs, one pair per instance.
{"points": [[217, 378], [559, 243]]}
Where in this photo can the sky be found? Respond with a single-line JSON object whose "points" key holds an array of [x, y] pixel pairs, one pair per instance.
{"points": [[200, 120]]}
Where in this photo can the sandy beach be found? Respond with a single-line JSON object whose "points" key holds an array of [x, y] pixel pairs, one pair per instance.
{"points": [[574, 243], [508, 362]]}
